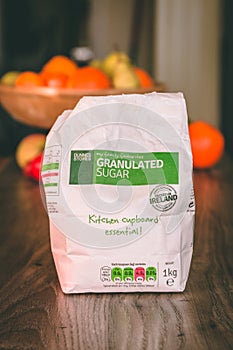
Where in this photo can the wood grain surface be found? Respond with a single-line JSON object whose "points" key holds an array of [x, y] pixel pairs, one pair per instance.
{"points": [[35, 314]]}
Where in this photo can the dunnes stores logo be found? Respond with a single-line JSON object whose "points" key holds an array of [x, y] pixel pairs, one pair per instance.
{"points": [[163, 197]]}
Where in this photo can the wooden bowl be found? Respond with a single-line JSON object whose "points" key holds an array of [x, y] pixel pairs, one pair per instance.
{"points": [[40, 106]]}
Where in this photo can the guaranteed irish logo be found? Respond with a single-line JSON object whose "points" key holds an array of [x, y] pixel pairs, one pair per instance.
{"points": [[163, 197]]}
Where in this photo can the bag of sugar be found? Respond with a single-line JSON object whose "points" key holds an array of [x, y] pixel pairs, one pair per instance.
{"points": [[117, 177]]}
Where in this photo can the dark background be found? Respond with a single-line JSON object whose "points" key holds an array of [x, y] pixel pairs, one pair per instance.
{"points": [[32, 31], [227, 75], [35, 30]]}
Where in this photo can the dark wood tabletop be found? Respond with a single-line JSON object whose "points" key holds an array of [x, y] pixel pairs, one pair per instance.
{"points": [[35, 314]]}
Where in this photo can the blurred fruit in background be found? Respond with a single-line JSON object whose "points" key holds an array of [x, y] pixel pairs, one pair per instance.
{"points": [[29, 79], [115, 70], [54, 79], [144, 77], [97, 63], [33, 167], [88, 78], [9, 78], [207, 143], [124, 76], [112, 59], [29, 148], [60, 64], [122, 72]]}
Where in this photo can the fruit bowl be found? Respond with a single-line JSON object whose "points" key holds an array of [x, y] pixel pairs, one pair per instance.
{"points": [[40, 106]]}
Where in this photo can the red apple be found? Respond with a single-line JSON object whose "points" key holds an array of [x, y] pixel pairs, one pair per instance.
{"points": [[29, 148], [32, 168]]}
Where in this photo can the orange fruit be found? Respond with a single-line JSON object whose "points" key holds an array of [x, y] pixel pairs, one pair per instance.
{"points": [[29, 79], [54, 79], [60, 64], [207, 143], [89, 78], [144, 77]]}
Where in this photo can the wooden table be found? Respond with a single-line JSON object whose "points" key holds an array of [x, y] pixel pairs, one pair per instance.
{"points": [[35, 314]]}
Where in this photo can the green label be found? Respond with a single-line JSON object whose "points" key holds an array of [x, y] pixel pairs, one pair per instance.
{"points": [[123, 168], [128, 274], [50, 166], [151, 273], [116, 274]]}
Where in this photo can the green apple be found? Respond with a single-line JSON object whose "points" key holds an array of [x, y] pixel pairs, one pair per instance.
{"points": [[9, 78]]}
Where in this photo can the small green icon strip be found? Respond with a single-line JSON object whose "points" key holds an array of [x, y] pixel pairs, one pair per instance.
{"points": [[130, 274], [51, 184], [51, 166], [50, 170]]}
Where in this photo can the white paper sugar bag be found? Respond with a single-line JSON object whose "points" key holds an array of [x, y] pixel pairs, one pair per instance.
{"points": [[117, 175]]}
